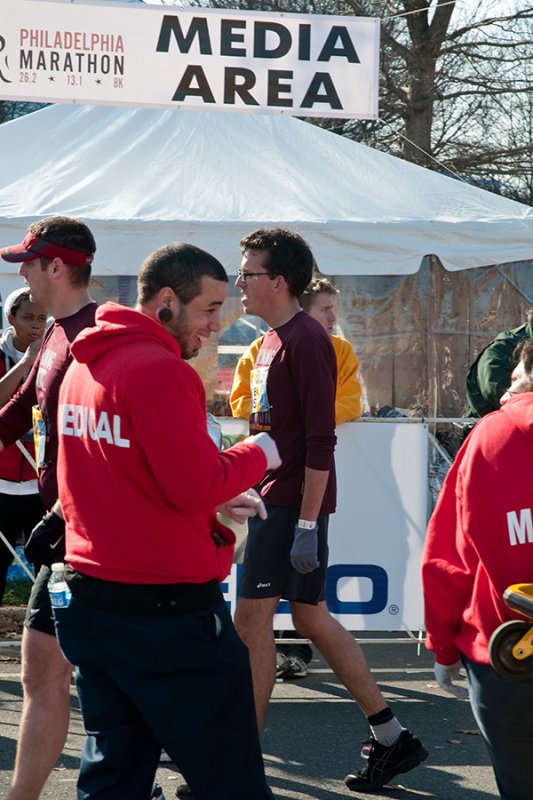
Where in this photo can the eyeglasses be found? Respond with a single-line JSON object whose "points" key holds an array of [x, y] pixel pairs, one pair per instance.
{"points": [[245, 275]]}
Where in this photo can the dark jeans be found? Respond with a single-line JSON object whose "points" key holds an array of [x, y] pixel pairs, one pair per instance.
{"points": [[503, 709], [179, 681]]}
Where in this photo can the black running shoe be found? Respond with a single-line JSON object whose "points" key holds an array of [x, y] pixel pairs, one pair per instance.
{"points": [[385, 762]]}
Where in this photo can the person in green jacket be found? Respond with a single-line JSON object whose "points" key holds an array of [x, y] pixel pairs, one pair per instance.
{"points": [[490, 374]]}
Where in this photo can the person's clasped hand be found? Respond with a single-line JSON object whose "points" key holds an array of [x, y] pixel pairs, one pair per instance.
{"points": [[446, 674], [31, 352], [304, 550], [244, 506]]}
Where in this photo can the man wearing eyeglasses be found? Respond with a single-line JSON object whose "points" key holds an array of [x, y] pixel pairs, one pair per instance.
{"points": [[293, 398]]}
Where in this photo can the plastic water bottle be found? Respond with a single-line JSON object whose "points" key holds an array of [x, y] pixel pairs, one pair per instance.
{"points": [[60, 595]]}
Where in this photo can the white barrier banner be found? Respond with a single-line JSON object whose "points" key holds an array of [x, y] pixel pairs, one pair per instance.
{"points": [[376, 537], [302, 64]]}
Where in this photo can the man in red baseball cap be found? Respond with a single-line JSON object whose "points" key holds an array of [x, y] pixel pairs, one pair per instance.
{"points": [[55, 261], [34, 246]]}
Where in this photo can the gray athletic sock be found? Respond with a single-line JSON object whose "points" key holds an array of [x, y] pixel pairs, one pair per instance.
{"points": [[387, 733]]}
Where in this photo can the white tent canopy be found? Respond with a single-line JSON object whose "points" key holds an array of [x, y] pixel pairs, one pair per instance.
{"points": [[142, 178]]}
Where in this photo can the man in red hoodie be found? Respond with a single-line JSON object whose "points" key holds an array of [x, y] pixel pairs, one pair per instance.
{"points": [[479, 541], [159, 663]]}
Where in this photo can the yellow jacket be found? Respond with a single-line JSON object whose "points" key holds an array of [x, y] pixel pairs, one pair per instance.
{"points": [[348, 397]]}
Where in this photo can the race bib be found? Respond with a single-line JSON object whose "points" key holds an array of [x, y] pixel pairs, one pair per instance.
{"points": [[258, 390], [39, 436]]}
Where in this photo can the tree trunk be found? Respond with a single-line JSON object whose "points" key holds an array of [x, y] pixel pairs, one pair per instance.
{"points": [[416, 146]]}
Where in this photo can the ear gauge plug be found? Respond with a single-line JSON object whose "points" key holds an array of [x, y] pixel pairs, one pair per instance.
{"points": [[164, 314]]}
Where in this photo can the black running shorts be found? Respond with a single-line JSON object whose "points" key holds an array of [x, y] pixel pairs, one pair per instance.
{"points": [[267, 569], [39, 613]]}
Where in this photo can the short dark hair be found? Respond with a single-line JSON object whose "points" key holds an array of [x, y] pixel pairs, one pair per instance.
{"points": [[314, 289], [67, 232], [288, 255], [524, 352], [179, 266]]}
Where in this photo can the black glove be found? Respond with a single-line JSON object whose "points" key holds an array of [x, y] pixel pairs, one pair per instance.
{"points": [[304, 550], [46, 544]]}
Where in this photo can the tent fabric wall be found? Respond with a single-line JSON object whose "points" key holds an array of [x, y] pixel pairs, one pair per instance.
{"points": [[417, 335], [143, 177]]}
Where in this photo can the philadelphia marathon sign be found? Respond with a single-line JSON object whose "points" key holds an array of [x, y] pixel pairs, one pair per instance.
{"points": [[148, 56]]}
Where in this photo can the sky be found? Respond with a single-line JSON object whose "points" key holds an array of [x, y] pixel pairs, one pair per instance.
{"points": [[463, 7]]}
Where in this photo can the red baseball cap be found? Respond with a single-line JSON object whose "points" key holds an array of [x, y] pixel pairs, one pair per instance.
{"points": [[34, 247]]}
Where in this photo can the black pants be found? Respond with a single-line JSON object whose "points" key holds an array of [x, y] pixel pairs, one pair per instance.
{"points": [[19, 514], [179, 680], [503, 710]]}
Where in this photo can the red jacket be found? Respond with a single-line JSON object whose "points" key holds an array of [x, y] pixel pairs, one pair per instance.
{"points": [[14, 466], [480, 536], [139, 476], [42, 388]]}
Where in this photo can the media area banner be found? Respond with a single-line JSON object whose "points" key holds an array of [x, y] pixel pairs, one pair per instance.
{"points": [[161, 56]]}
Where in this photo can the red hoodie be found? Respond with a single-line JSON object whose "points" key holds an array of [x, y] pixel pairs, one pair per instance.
{"points": [[139, 476], [480, 536]]}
